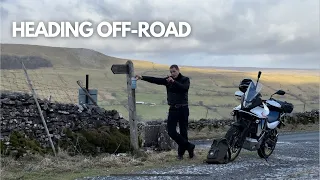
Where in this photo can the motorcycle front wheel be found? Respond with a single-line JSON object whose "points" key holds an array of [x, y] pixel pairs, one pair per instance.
{"points": [[268, 145], [233, 137]]}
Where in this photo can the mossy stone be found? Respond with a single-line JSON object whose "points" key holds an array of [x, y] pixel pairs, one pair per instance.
{"points": [[20, 145], [106, 139]]}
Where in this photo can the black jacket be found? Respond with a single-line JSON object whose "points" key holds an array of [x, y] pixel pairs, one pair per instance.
{"points": [[177, 92]]}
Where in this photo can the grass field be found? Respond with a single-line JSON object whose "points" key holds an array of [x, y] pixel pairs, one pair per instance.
{"points": [[211, 92]]}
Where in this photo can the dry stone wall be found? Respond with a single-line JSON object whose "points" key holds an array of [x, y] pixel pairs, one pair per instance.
{"points": [[65, 122], [88, 129]]}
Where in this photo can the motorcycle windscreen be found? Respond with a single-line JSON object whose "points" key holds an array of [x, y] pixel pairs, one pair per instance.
{"points": [[252, 92]]}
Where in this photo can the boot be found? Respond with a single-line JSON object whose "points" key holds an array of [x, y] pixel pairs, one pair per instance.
{"points": [[191, 148], [181, 152]]}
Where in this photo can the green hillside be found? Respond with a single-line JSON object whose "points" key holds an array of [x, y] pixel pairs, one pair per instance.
{"points": [[211, 92]]}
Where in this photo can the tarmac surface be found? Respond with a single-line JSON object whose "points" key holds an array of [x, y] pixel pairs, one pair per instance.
{"points": [[296, 156]]}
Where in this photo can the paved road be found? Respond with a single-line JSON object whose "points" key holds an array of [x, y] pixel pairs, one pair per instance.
{"points": [[296, 157], [283, 138]]}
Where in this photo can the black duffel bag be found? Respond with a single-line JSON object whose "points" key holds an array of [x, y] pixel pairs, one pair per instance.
{"points": [[219, 152]]}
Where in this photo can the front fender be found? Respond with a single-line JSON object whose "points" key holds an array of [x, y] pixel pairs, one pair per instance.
{"points": [[238, 125]]}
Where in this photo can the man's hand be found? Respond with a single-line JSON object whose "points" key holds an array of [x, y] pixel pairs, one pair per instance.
{"points": [[138, 77], [170, 79]]}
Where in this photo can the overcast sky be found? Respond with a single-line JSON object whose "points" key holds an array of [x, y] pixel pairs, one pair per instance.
{"points": [[250, 33]]}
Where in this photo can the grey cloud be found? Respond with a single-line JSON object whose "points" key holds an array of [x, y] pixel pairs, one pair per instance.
{"points": [[214, 34], [271, 45], [224, 36], [219, 28], [113, 10], [4, 13]]}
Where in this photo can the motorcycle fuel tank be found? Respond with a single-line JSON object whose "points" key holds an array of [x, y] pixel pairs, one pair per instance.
{"points": [[273, 119], [261, 112]]}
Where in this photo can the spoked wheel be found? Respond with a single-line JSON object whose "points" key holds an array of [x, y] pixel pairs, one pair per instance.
{"points": [[268, 145], [233, 137]]}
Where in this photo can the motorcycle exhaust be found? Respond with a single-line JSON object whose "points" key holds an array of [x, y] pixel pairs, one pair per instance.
{"points": [[250, 144]]}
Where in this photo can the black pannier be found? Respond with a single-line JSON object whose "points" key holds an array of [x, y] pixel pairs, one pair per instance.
{"points": [[287, 107]]}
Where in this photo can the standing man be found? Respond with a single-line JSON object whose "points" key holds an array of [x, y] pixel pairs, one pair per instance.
{"points": [[177, 87]]}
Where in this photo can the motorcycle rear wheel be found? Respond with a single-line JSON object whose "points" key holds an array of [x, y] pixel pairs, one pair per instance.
{"points": [[233, 137], [268, 145]]}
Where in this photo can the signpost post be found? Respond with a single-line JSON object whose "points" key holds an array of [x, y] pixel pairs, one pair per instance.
{"points": [[128, 69]]}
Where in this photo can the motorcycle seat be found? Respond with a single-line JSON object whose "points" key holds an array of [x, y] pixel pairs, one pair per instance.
{"points": [[273, 116]]}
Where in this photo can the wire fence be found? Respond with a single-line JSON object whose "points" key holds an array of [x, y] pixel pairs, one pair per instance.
{"points": [[15, 81], [206, 101]]}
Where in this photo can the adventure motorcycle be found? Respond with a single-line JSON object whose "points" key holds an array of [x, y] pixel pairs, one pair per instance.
{"points": [[256, 120]]}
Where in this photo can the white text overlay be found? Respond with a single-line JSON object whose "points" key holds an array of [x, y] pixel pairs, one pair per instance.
{"points": [[104, 29]]}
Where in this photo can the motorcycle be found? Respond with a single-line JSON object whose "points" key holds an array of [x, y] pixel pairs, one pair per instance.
{"points": [[256, 121]]}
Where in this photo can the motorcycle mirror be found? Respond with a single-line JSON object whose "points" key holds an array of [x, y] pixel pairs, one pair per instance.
{"points": [[259, 74], [238, 93], [280, 92]]}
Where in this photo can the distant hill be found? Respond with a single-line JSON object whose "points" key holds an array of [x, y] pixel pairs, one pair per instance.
{"points": [[256, 69], [48, 56], [61, 57], [30, 62]]}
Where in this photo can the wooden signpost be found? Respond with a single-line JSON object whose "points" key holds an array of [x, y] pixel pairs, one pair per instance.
{"points": [[129, 71]]}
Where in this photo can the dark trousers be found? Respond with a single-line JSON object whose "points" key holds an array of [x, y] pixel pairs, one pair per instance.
{"points": [[179, 115]]}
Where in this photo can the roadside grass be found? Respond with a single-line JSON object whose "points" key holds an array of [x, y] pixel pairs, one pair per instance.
{"points": [[63, 166], [207, 133], [66, 167]]}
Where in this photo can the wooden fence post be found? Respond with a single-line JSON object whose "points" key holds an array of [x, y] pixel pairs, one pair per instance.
{"points": [[35, 97]]}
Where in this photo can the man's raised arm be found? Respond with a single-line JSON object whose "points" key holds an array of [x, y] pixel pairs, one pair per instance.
{"points": [[154, 80]]}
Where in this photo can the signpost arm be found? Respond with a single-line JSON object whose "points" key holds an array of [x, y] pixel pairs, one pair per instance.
{"points": [[132, 107]]}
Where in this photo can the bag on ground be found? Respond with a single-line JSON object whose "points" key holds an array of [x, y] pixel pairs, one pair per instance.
{"points": [[219, 152]]}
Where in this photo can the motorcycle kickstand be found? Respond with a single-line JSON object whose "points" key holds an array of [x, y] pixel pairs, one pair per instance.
{"points": [[265, 158]]}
